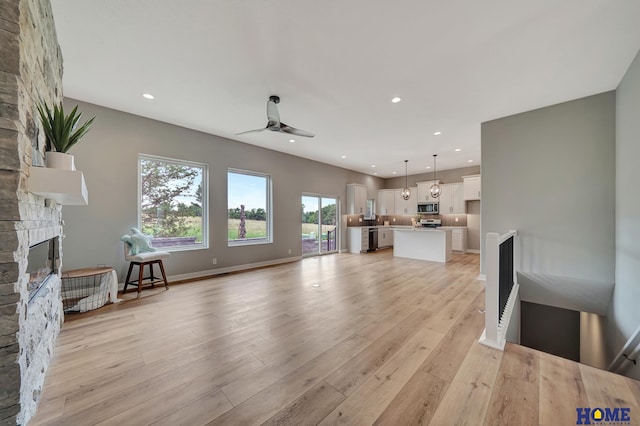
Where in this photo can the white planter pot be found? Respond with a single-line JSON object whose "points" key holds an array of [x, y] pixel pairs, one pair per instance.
{"points": [[59, 160]]}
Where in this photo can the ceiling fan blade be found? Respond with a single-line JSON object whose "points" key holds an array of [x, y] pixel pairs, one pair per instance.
{"points": [[272, 112], [252, 131], [292, 130]]}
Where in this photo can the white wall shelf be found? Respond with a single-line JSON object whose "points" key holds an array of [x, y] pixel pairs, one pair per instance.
{"points": [[66, 187]]}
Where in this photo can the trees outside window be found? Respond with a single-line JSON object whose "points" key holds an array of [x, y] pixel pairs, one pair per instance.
{"points": [[249, 207], [173, 202]]}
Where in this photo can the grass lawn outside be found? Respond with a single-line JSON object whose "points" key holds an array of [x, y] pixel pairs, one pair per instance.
{"points": [[254, 228], [308, 228], [193, 224]]}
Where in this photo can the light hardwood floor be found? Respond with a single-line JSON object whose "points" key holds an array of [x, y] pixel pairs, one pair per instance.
{"points": [[382, 340]]}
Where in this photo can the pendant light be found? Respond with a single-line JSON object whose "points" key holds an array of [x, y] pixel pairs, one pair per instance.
{"points": [[435, 188], [406, 192]]}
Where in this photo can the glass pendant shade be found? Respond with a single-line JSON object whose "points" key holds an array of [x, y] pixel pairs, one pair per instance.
{"points": [[435, 188], [406, 192]]}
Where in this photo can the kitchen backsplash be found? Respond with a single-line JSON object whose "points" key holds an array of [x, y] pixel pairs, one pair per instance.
{"points": [[401, 220]]}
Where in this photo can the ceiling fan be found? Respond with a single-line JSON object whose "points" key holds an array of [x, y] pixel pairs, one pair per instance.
{"points": [[274, 124]]}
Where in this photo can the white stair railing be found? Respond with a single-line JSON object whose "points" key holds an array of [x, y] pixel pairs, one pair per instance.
{"points": [[501, 286]]}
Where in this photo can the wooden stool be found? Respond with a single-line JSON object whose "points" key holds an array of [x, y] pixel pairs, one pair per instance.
{"points": [[141, 260]]}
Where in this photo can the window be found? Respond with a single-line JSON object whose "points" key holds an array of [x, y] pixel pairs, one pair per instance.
{"points": [[249, 207], [173, 202]]}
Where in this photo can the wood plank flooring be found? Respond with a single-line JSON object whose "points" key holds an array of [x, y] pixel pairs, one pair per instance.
{"points": [[382, 340]]}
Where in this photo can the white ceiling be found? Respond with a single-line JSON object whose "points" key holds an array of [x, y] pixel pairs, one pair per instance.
{"points": [[212, 65]]}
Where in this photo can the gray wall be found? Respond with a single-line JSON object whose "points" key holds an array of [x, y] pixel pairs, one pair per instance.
{"points": [[593, 340], [550, 329], [108, 157], [550, 174], [445, 176], [473, 225], [624, 316]]}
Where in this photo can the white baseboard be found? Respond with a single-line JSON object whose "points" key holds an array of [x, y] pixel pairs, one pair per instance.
{"points": [[219, 271], [482, 277], [236, 268], [473, 251]]}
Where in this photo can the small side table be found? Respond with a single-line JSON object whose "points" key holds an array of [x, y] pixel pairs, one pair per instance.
{"points": [[88, 288]]}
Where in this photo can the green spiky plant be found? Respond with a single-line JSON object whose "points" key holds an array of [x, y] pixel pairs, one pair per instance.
{"points": [[60, 129]]}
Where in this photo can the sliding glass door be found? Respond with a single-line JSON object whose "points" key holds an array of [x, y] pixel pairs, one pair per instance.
{"points": [[319, 225]]}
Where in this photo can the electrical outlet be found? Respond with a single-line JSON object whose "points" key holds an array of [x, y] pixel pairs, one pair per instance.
{"points": [[215, 261], [289, 251]]}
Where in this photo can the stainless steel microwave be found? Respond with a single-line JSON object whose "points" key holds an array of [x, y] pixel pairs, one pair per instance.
{"points": [[428, 208]]}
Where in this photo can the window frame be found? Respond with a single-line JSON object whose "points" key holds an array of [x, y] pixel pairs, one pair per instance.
{"points": [[269, 208], [205, 198]]}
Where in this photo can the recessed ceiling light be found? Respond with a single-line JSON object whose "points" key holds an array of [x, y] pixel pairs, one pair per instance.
{"points": [[344, 156], [373, 165], [469, 161], [428, 167], [292, 140], [396, 100], [375, 173], [437, 133], [315, 285], [458, 149], [147, 95], [393, 173]]}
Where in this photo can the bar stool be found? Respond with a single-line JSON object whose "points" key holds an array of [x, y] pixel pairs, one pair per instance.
{"points": [[141, 260]]}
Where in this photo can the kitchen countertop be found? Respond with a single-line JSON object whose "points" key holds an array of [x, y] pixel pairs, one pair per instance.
{"points": [[423, 244], [424, 229], [382, 226], [404, 226]]}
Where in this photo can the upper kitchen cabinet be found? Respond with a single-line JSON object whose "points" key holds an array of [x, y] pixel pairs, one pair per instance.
{"points": [[424, 191], [356, 199], [406, 207], [386, 202], [471, 187], [452, 199]]}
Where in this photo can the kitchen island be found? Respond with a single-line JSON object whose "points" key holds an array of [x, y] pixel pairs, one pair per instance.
{"points": [[423, 244]]}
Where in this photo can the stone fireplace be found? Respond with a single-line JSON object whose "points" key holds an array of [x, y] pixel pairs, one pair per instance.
{"points": [[30, 70], [42, 264]]}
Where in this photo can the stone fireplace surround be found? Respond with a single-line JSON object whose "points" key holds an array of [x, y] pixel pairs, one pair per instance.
{"points": [[30, 70]]}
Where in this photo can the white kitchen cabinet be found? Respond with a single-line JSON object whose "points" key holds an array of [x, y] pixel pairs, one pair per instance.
{"points": [[452, 199], [471, 187], [412, 203], [424, 191], [458, 238], [385, 237], [358, 239], [356, 199], [406, 207], [386, 202]]}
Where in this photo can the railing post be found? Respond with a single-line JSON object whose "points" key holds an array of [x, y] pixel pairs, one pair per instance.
{"points": [[491, 314]]}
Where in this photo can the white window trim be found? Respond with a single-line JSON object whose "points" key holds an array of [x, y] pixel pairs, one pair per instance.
{"points": [[205, 198], [254, 241]]}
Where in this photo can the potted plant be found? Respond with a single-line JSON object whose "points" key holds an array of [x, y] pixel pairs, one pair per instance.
{"points": [[62, 133]]}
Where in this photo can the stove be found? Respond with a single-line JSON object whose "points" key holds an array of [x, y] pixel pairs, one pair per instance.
{"points": [[430, 223]]}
